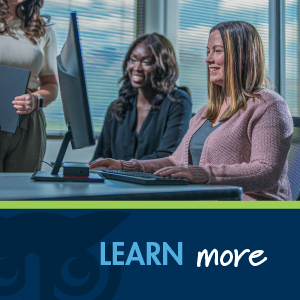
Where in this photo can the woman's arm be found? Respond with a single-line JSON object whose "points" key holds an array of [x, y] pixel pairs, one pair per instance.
{"points": [[270, 143], [147, 166], [48, 89], [27, 103]]}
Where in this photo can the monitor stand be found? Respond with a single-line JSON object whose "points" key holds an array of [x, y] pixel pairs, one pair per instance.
{"points": [[73, 170]]}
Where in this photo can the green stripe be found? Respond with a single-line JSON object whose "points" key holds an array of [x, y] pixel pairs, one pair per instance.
{"points": [[149, 205]]}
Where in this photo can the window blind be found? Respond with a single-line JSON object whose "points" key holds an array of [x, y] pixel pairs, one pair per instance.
{"points": [[106, 30], [196, 19], [292, 55]]}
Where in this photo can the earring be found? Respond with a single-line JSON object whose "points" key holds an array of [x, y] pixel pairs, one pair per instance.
{"points": [[22, 7]]}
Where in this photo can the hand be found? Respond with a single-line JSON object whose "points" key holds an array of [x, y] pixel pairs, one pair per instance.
{"points": [[111, 164], [25, 104], [177, 171]]}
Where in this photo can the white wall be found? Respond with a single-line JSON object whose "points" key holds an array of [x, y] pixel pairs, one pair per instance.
{"points": [[80, 155]]}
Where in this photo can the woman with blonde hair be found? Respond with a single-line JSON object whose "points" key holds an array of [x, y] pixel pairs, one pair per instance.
{"points": [[243, 135]]}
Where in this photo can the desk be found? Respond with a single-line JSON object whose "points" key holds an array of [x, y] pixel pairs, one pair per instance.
{"points": [[19, 186]]}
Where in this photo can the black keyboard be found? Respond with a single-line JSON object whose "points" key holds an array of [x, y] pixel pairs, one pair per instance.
{"points": [[141, 178]]}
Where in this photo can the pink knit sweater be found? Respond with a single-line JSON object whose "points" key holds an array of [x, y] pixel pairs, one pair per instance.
{"points": [[249, 150]]}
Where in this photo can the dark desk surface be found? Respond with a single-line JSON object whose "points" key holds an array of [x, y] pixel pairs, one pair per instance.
{"points": [[19, 186]]}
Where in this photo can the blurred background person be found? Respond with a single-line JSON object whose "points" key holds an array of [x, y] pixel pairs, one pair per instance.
{"points": [[243, 135], [28, 42], [151, 115]]}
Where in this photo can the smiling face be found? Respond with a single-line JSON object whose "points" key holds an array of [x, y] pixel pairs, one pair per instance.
{"points": [[140, 66], [215, 58]]}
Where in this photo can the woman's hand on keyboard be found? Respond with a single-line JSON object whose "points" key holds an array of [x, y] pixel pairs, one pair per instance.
{"points": [[110, 164], [176, 172]]}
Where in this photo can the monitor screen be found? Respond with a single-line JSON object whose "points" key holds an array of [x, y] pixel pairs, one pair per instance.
{"points": [[76, 111], [73, 89]]}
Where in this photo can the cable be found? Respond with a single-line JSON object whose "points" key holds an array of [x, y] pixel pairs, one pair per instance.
{"points": [[39, 165]]}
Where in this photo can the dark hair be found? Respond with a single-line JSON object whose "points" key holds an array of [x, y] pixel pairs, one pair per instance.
{"points": [[244, 69], [33, 23], [163, 77]]}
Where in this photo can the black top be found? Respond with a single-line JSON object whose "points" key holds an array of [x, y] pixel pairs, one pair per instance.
{"points": [[159, 136], [198, 140]]}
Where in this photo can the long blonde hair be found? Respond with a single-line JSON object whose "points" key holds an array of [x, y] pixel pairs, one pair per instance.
{"points": [[244, 67]]}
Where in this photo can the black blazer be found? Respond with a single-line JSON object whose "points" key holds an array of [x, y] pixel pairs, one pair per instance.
{"points": [[161, 132]]}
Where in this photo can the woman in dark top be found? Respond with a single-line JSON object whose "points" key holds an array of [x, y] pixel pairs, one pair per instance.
{"points": [[151, 115]]}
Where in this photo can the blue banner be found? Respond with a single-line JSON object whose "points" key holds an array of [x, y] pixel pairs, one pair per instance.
{"points": [[149, 254]]}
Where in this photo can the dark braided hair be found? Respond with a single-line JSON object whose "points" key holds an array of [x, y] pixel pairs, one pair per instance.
{"points": [[33, 24]]}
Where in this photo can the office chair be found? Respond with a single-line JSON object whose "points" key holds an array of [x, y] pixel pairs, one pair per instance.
{"points": [[294, 161]]}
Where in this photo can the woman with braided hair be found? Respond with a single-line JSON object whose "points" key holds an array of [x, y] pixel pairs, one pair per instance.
{"points": [[27, 41]]}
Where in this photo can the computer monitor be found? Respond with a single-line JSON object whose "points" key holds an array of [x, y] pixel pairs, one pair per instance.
{"points": [[73, 90], [76, 109]]}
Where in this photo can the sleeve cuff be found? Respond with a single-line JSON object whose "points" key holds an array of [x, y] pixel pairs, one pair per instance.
{"points": [[132, 165], [199, 174]]}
